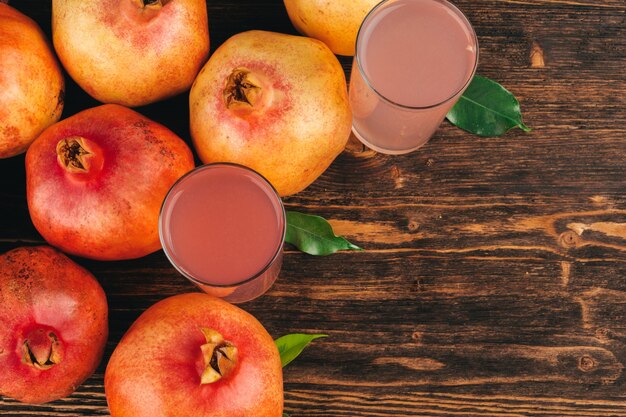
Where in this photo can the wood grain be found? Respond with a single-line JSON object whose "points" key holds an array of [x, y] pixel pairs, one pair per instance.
{"points": [[493, 281]]}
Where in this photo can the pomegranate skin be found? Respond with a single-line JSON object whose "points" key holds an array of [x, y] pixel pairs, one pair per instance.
{"points": [[110, 210], [42, 290], [155, 369], [335, 23], [31, 83]]}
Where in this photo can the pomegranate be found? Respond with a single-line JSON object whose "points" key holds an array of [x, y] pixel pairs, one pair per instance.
{"points": [[31, 83], [54, 324], [131, 52], [95, 182], [336, 23], [195, 355], [275, 103]]}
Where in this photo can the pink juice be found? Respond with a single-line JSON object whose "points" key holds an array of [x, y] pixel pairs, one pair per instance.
{"points": [[414, 60], [223, 227]]}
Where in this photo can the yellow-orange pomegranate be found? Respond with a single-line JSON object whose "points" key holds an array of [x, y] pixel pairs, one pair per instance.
{"points": [[336, 23], [31, 83], [275, 103], [131, 52]]}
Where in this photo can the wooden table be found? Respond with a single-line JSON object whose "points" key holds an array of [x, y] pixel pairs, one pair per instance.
{"points": [[494, 280]]}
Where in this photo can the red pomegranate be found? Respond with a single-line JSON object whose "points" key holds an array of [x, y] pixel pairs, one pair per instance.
{"points": [[95, 182], [53, 316], [195, 355]]}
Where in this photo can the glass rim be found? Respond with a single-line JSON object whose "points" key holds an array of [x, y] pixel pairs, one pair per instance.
{"points": [[404, 106], [274, 257]]}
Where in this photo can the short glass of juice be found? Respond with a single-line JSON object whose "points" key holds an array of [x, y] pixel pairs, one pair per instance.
{"points": [[414, 59], [223, 227]]}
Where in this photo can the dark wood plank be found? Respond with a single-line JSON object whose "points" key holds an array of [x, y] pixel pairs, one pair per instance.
{"points": [[493, 280]]}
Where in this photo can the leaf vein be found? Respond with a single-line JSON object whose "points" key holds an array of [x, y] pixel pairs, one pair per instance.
{"points": [[517, 123]]}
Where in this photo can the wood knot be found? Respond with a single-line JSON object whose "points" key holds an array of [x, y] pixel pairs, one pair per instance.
{"points": [[413, 226], [569, 239], [396, 175], [536, 56], [586, 363]]}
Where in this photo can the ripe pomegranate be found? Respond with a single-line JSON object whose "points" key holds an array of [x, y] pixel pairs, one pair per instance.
{"points": [[54, 324], [95, 182], [336, 23], [275, 103], [131, 52], [31, 83], [195, 355]]}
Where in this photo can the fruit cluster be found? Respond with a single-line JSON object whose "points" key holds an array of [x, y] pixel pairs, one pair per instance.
{"points": [[95, 183]]}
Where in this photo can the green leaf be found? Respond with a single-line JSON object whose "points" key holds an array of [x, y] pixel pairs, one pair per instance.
{"points": [[292, 345], [314, 235], [487, 109], [285, 415]]}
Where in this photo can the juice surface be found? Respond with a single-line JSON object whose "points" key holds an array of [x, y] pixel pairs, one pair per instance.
{"points": [[222, 224], [417, 53]]}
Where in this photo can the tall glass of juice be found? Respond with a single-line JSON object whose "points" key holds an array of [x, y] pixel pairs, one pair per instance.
{"points": [[414, 59], [223, 227]]}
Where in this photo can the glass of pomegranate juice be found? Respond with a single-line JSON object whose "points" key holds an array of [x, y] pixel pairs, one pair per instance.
{"points": [[414, 59], [223, 227]]}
